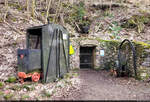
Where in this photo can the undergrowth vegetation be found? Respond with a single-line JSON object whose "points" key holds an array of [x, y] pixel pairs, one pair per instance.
{"points": [[137, 21], [78, 17]]}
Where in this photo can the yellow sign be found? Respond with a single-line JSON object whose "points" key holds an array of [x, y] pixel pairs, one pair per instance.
{"points": [[71, 50]]}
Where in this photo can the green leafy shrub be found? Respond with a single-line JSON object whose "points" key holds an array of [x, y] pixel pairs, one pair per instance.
{"points": [[25, 97], [76, 16], [1, 84], [1, 93], [108, 14], [11, 79]]}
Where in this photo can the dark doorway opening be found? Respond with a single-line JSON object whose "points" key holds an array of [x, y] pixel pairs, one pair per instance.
{"points": [[87, 57]]}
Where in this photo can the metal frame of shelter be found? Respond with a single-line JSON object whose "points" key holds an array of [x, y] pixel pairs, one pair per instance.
{"points": [[54, 45], [134, 56]]}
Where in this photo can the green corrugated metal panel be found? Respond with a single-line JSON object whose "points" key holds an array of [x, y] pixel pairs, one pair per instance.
{"points": [[46, 41], [55, 63]]}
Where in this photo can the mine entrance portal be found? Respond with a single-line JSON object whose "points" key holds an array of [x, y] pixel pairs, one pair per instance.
{"points": [[87, 57]]}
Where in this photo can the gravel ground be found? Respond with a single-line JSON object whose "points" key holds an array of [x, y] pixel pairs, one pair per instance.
{"points": [[79, 85], [99, 85], [38, 91]]}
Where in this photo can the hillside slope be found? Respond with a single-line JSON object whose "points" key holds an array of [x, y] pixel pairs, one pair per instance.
{"points": [[104, 24]]}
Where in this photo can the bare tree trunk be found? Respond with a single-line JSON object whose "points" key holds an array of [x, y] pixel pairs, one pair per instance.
{"points": [[47, 13], [6, 3], [47, 4], [33, 8], [18, 2], [110, 6], [61, 15], [6, 7], [28, 6], [126, 8], [55, 18], [40, 4], [71, 1]]}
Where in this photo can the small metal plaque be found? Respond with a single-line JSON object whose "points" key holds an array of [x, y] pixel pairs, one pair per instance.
{"points": [[65, 36], [102, 53]]}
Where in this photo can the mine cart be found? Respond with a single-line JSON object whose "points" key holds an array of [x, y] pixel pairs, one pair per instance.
{"points": [[47, 50]]}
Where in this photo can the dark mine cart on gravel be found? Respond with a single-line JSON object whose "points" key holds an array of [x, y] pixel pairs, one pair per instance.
{"points": [[47, 50]]}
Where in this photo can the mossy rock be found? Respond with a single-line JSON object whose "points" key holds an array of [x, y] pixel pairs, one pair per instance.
{"points": [[25, 97], [1, 93], [1, 84], [141, 52], [16, 88], [20, 87], [46, 94], [75, 69], [68, 76], [75, 74], [28, 88], [97, 68], [142, 44], [8, 96], [110, 42], [1, 20], [11, 79]]}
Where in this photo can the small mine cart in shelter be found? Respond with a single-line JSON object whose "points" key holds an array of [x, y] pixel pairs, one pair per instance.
{"points": [[47, 50]]}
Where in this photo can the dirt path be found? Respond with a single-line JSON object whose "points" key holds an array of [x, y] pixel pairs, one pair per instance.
{"points": [[99, 85]]}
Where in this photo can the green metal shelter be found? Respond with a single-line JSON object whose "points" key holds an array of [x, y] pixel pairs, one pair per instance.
{"points": [[48, 50]]}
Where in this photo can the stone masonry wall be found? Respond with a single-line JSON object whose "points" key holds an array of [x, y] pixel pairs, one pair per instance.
{"points": [[108, 61]]}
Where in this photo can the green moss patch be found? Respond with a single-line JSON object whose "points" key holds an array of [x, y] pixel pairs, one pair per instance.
{"points": [[8, 96], [143, 73], [1, 84], [11, 79]]}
